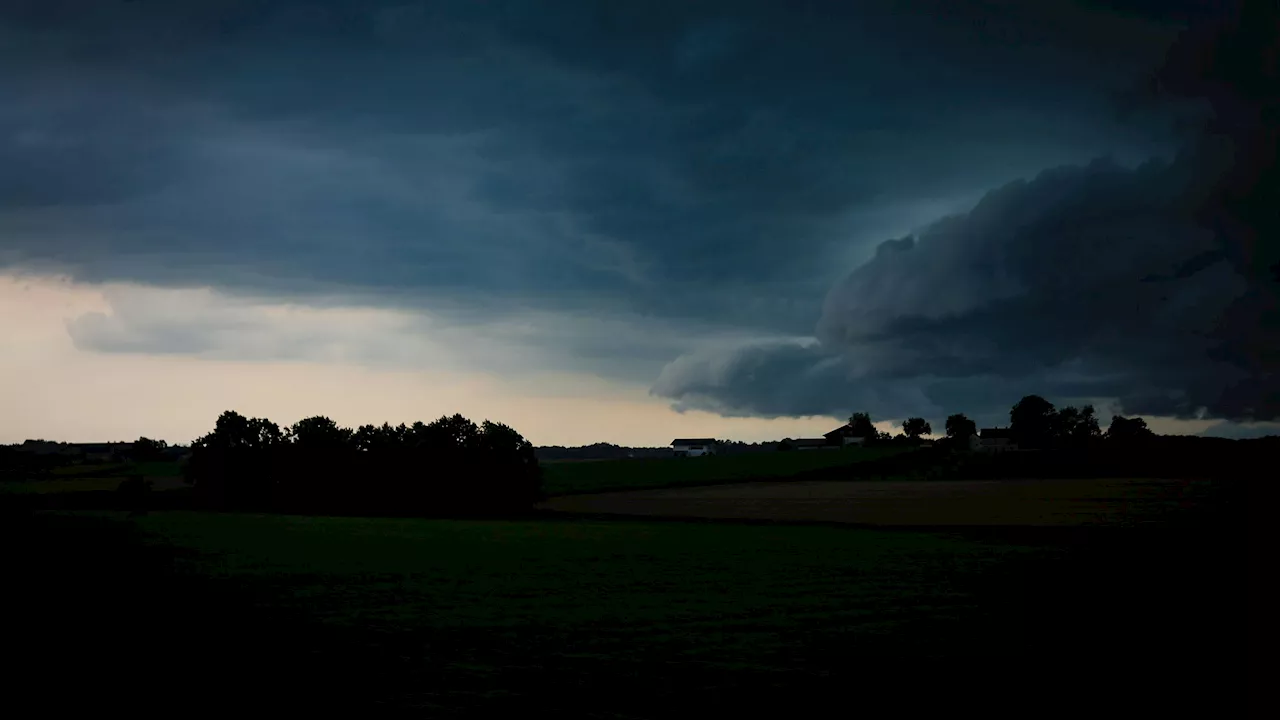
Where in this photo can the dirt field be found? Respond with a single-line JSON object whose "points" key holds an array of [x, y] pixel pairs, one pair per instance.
{"points": [[905, 503]]}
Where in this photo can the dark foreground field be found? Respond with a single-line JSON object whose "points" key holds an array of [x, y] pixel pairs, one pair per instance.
{"points": [[580, 618], [917, 503], [567, 478]]}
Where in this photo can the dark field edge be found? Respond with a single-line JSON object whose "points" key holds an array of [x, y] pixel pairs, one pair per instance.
{"points": [[1222, 506], [1162, 458], [832, 472], [1122, 622]]}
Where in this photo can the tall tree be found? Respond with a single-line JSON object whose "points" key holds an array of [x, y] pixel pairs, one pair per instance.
{"points": [[452, 432], [860, 422], [959, 426], [374, 438], [1064, 423], [235, 431], [915, 427], [1126, 430], [1033, 421], [1086, 428], [319, 433], [233, 465], [144, 449], [1075, 426]]}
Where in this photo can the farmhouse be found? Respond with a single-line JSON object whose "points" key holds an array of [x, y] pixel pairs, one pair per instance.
{"points": [[693, 447], [845, 435], [993, 440]]}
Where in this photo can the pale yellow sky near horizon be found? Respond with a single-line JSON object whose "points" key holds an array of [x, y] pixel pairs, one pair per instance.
{"points": [[53, 390]]}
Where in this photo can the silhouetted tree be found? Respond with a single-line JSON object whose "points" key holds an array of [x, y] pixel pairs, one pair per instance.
{"points": [[1033, 421], [448, 465], [914, 427], [145, 449], [384, 438], [508, 465], [1087, 427], [959, 429], [860, 422], [1074, 427], [319, 434], [1127, 430], [233, 466]]}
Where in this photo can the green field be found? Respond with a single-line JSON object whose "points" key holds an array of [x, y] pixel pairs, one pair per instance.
{"points": [[559, 478], [490, 614], [674, 585], [563, 478], [96, 477], [594, 618]]}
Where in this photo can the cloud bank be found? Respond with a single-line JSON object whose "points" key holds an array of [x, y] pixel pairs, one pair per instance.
{"points": [[712, 164], [1152, 288], [1086, 282]]}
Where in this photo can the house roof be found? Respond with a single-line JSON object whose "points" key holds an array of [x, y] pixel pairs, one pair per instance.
{"points": [[995, 434], [845, 430], [694, 441]]}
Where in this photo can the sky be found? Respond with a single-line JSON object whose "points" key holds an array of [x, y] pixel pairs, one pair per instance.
{"points": [[629, 221]]}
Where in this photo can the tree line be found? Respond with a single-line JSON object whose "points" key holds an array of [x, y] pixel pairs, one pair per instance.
{"points": [[450, 465], [1033, 423]]}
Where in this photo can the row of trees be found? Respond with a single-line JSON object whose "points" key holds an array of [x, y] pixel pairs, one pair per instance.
{"points": [[912, 429], [1033, 423], [315, 465], [145, 449]]}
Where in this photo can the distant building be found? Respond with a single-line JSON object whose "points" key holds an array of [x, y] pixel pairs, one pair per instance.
{"points": [[993, 440], [845, 435], [693, 447]]}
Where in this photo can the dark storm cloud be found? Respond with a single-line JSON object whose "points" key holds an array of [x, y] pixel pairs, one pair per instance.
{"points": [[707, 162], [1086, 282], [1151, 288]]}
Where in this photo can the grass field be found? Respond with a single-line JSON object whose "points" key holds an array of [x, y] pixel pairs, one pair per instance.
{"points": [[493, 615], [97, 477], [565, 478], [559, 478], [1046, 502], [600, 619]]}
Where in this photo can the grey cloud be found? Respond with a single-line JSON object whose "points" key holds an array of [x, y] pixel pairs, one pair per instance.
{"points": [[710, 164], [802, 378], [220, 326], [1085, 282], [1152, 289], [86, 146]]}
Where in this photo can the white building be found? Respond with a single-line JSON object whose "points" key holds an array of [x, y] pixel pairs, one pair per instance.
{"points": [[693, 447], [993, 440]]}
